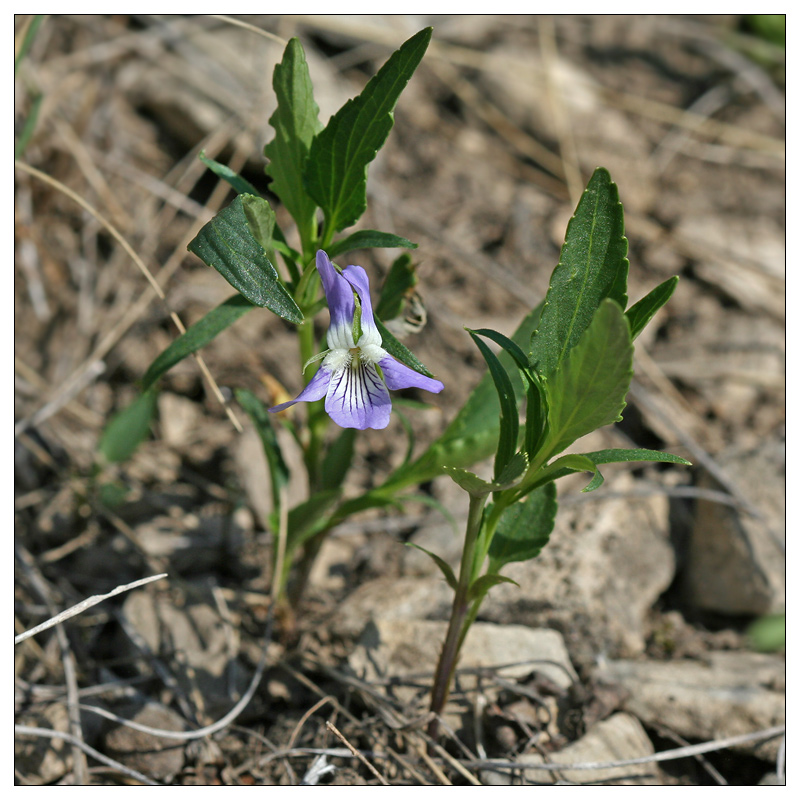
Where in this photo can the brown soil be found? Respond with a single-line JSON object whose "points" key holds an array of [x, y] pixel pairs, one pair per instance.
{"points": [[493, 141]]}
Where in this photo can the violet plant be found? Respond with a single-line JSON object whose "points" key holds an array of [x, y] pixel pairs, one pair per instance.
{"points": [[564, 373]]}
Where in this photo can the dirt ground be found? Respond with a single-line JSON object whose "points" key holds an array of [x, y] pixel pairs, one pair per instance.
{"points": [[494, 139]]}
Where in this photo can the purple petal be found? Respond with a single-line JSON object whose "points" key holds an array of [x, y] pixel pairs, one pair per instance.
{"points": [[317, 389], [340, 301], [399, 376], [358, 398], [358, 279]]}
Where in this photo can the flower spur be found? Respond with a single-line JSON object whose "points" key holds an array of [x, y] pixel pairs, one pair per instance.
{"points": [[356, 371]]}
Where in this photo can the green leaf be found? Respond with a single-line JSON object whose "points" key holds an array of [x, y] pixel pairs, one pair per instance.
{"points": [[240, 184], [472, 435], [27, 42], [588, 462], [481, 586], [588, 390], [112, 495], [512, 472], [595, 483], [296, 123], [278, 471], [536, 412], [626, 455], [478, 487], [309, 518], [509, 415], [593, 266], [640, 314], [524, 529], [396, 348], [400, 281], [128, 428], [768, 633], [338, 459], [448, 573], [468, 481], [261, 220], [336, 170], [363, 240], [197, 336], [29, 125], [509, 345], [771, 27], [227, 243], [619, 455]]}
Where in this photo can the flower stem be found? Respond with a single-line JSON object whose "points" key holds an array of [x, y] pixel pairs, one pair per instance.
{"points": [[460, 617]]}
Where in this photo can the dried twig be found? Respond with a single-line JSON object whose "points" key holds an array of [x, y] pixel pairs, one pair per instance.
{"points": [[335, 731], [26, 730], [83, 605], [208, 729], [664, 755], [142, 267]]}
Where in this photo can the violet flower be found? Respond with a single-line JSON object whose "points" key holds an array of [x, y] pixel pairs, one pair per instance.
{"points": [[349, 378]]}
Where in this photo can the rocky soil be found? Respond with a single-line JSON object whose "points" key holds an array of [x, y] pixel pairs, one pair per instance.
{"points": [[626, 638]]}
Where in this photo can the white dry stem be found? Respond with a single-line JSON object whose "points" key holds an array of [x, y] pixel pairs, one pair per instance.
{"points": [[83, 605], [666, 755], [25, 730]]}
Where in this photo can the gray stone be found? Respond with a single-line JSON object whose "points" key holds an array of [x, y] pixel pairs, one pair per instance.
{"points": [[731, 694], [736, 564], [155, 756], [607, 562], [391, 647], [413, 597], [618, 738]]}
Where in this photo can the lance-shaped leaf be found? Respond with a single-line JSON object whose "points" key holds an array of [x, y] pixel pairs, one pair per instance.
{"points": [[338, 459], [278, 471], [199, 335], [536, 412], [394, 347], [128, 428], [399, 284], [336, 170], [509, 415], [639, 314], [310, 518], [593, 266], [588, 462], [481, 586], [588, 390], [619, 455], [524, 529], [472, 435], [362, 240], [240, 185], [228, 244], [477, 486], [445, 568], [296, 123]]}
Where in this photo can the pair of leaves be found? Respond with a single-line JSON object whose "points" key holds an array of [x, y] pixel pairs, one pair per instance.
{"points": [[473, 434], [313, 167], [310, 168]]}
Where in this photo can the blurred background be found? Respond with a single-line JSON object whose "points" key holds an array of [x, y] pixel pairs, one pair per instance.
{"points": [[494, 140]]}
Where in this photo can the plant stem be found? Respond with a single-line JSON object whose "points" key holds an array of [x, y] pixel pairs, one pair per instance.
{"points": [[460, 619]]}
